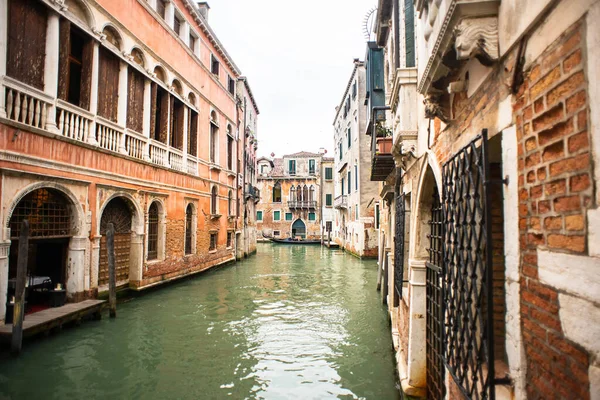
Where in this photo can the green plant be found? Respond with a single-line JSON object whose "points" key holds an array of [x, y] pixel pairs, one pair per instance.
{"points": [[382, 130]]}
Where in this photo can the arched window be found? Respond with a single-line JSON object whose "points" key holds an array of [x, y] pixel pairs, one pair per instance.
{"points": [[177, 87], [138, 57], [311, 195], [292, 193], [214, 137], [230, 203], [305, 193], [189, 230], [277, 193], [153, 232], [160, 73], [112, 36], [213, 200], [299, 193]]}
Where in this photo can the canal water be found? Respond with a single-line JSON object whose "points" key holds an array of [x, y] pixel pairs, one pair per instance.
{"points": [[291, 322]]}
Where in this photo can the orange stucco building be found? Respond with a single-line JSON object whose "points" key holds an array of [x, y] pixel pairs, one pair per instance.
{"points": [[119, 111]]}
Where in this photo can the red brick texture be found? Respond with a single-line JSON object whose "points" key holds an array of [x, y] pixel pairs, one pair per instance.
{"points": [[555, 189]]}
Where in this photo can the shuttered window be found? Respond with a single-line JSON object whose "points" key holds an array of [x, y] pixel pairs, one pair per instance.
{"points": [[108, 89], [328, 173], [176, 134], [75, 65], [328, 199], [135, 100], [409, 26], [349, 138], [349, 182], [26, 51], [159, 113], [192, 132], [161, 6]]}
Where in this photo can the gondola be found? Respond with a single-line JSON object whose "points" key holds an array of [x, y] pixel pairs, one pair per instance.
{"points": [[295, 241]]}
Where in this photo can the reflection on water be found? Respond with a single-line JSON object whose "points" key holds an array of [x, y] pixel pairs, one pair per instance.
{"points": [[292, 322]]}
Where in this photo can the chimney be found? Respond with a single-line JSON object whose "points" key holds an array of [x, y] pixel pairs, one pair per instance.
{"points": [[203, 8]]}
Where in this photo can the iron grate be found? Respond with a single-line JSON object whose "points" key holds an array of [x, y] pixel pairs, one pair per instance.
{"points": [[153, 232], [468, 336], [47, 212]]}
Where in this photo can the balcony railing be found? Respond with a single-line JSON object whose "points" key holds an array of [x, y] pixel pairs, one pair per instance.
{"points": [[341, 201], [29, 106], [252, 192], [308, 204]]}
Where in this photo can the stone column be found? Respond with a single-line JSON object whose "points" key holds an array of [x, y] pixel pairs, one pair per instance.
{"points": [[4, 250], [94, 92], [417, 366], [51, 68], [75, 284], [152, 4], [136, 259], [186, 115], [122, 103], [3, 52], [95, 262]]}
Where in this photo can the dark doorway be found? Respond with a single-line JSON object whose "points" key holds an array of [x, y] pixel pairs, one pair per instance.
{"points": [[299, 229], [116, 212]]}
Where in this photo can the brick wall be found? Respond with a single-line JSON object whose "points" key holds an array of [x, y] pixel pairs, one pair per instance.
{"points": [[555, 167]]}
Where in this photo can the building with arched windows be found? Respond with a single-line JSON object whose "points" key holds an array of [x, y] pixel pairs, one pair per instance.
{"points": [[122, 115], [296, 195]]}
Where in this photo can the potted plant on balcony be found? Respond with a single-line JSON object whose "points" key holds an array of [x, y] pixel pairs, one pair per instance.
{"points": [[383, 138]]}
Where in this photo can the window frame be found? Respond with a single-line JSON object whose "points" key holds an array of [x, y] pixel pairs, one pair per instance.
{"points": [[278, 212], [314, 216], [259, 213], [291, 216], [213, 241], [330, 170]]}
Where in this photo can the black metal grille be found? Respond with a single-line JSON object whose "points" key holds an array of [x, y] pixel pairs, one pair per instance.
{"points": [[153, 232], [188, 228], [47, 212], [435, 313], [399, 248], [468, 271]]}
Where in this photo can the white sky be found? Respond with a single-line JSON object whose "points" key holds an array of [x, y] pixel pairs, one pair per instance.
{"points": [[298, 57]]}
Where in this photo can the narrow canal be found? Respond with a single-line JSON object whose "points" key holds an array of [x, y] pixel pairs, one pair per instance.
{"points": [[292, 322]]}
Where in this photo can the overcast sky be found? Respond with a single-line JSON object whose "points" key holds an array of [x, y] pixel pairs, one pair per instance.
{"points": [[298, 57]]}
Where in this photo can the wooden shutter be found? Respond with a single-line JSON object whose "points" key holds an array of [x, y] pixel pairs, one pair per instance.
{"points": [[63, 59], [164, 115], [86, 73], [192, 132], [153, 109], [27, 41], [108, 87], [172, 136], [409, 26], [135, 100]]}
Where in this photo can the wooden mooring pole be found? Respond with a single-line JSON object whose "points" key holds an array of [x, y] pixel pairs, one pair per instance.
{"points": [[19, 306], [112, 279]]}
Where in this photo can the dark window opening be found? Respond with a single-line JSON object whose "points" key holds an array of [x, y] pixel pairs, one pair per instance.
{"points": [[277, 193], [213, 241], [75, 65], [229, 153], [292, 167], [161, 6], [153, 232], [311, 166], [214, 68], [192, 42], [26, 53], [231, 85], [229, 239], [177, 25], [189, 218], [213, 200], [176, 134]]}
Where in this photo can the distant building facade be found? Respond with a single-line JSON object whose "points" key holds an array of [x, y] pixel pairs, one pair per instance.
{"points": [[249, 137], [123, 115], [327, 197], [354, 227], [291, 195]]}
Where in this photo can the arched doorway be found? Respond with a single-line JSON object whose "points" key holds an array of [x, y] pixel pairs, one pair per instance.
{"points": [[50, 229], [118, 212], [299, 229]]}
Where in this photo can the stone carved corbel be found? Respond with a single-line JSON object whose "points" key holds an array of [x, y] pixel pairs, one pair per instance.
{"points": [[101, 36], [433, 108], [128, 56], [60, 4], [477, 37], [151, 73]]}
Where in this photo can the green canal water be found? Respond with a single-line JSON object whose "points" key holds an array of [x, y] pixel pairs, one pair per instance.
{"points": [[291, 322]]}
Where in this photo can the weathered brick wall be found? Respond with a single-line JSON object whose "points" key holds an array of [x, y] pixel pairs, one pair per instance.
{"points": [[555, 190]]}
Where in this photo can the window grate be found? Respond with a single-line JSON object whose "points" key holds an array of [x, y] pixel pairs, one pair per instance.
{"points": [[153, 232], [399, 246], [188, 229], [469, 351], [47, 212], [435, 320]]}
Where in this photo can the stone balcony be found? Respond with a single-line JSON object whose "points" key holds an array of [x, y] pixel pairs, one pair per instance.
{"points": [[341, 202]]}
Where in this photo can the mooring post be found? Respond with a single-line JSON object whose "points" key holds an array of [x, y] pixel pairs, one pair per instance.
{"points": [[112, 281], [380, 252], [19, 306]]}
